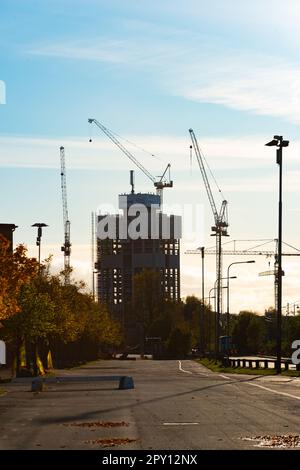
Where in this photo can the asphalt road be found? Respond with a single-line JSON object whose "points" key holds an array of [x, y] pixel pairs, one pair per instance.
{"points": [[174, 405]]}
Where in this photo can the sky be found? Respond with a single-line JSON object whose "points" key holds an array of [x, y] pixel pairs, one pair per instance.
{"points": [[150, 71]]}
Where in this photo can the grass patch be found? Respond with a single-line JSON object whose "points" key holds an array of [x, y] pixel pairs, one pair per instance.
{"points": [[216, 366]]}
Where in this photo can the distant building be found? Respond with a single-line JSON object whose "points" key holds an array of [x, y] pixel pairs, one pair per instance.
{"points": [[140, 238], [7, 230]]}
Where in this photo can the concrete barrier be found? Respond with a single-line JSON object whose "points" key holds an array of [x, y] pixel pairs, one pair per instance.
{"points": [[38, 383], [126, 383]]}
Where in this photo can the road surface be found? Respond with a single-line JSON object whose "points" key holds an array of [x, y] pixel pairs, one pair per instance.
{"points": [[174, 405]]}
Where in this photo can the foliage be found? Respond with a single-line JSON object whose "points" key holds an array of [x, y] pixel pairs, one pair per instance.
{"points": [[37, 309], [16, 269], [147, 298], [248, 333], [179, 341]]}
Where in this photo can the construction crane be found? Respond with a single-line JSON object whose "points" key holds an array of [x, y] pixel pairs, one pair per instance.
{"points": [[160, 184], [66, 247], [219, 229], [257, 250]]}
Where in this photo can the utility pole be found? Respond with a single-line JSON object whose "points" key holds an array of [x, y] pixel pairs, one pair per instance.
{"points": [[202, 313], [279, 143]]}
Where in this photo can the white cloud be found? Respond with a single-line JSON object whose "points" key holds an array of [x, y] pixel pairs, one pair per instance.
{"points": [[231, 153], [198, 68], [110, 51], [260, 84]]}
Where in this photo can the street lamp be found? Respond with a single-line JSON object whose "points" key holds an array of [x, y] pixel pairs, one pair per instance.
{"points": [[202, 313], [209, 304], [217, 315], [279, 143], [39, 237], [209, 296], [228, 310]]}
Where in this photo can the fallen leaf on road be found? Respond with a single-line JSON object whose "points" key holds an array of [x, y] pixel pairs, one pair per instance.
{"points": [[110, 442], [98, 424], [276, 441]]}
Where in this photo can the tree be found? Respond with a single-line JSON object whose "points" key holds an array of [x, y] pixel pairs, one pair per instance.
{"points": [[147, 297], [248, 333], [179, 342], [192, 311], [16, 269], [40, 312]]}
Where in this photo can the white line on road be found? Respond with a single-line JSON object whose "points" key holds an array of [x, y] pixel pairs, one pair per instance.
{"points": [[224, 377], [274, 391], [180, 424], [182, 370]]}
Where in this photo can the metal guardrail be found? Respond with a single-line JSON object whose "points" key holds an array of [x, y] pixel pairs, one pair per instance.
{"points": [[258, 363]]}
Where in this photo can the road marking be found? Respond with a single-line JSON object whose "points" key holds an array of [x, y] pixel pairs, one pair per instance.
{"points": [[274, 391], [224, 377], [182, 370], [180, 424]]}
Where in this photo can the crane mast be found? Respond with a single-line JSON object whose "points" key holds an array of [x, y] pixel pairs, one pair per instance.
{"points": [[160, 184], [219, 230], [66, 247]]}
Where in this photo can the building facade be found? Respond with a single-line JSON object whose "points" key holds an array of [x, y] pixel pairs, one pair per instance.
{"points": [[7, 230], [141, 237]]}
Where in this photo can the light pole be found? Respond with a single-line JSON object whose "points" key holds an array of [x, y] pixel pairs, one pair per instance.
{"points": [[210, 312], [279, 143], [217, 315], [228, 309], [202, 314], [39, 238], [39, 226]]}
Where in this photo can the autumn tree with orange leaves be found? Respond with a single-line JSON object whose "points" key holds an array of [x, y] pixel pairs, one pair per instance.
{"points": [[16, 269], [39, 314]]}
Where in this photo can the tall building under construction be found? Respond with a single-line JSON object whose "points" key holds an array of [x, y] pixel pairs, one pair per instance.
{"points": [[140, 237]]}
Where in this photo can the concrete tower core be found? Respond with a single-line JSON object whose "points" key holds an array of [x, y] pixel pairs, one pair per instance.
{"points": [[141, 237]]}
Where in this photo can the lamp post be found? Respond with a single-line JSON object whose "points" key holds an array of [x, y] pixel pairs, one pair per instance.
{"points": [[209, 296], [209, 304], [217, 316], [279, 143], [202, 314], [228, 309], [39, 226], [39, 238]]}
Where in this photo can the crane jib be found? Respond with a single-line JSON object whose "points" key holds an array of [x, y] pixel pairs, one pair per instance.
{"points": [[159, 185]]}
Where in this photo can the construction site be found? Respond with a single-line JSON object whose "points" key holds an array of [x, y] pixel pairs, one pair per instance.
{"points": [[149, 230], [140, 237]]}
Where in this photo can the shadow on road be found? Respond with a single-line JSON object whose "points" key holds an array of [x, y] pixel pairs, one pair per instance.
{"points": [[90, 414]]}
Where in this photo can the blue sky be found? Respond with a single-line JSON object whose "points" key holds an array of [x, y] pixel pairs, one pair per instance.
{"points": [[149, 71]]}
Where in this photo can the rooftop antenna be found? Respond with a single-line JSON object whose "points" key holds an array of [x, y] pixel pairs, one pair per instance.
{"points": [[132, 181]]}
